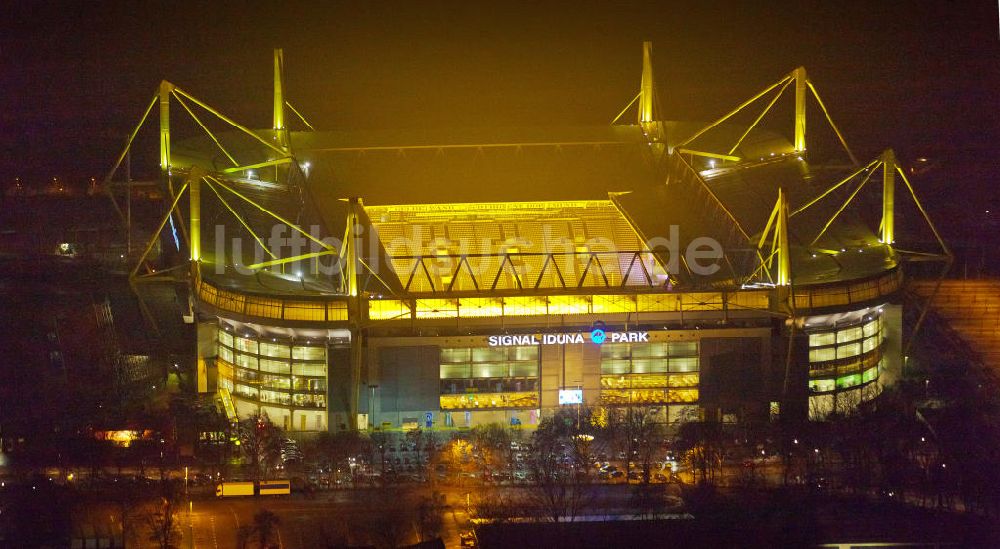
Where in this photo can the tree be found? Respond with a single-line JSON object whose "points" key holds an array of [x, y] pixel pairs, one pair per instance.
{"points": [[557, 493], [380, 447], [160, 517], [261, 443], [429, 516], [633, 432], [701, 441], [265, 526], [492, 442], [243, 534], [648, 499], [391, 522]]}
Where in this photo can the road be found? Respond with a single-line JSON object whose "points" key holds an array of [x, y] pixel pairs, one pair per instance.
{"points": [[356, 517]]}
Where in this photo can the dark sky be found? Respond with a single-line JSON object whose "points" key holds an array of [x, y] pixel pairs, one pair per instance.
{"points": [[921, 77]]}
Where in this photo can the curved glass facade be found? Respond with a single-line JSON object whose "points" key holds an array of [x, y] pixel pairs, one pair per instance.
{"points": [[845, 358], [274, 372]]}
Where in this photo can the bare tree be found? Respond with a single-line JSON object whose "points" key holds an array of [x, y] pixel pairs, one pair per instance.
{"points": [[160, 517], [429, 516], [557, 493], [634, 433], [492, 443], [265, 526], [261, 443]]}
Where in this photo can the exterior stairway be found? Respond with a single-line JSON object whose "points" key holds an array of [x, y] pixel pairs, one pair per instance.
{"points": [[972, 310]]}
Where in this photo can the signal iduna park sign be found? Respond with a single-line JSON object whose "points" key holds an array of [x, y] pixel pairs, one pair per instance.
{"points": [[597, 336]]}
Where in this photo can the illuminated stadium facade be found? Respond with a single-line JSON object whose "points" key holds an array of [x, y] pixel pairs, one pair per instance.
{"points": [[433, 279]]}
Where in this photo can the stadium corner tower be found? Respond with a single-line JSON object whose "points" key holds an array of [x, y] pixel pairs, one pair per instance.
{"points": [[446, 279]]}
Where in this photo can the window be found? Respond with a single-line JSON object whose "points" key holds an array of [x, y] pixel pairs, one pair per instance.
{"points": [[871, 328], [848, 381], [246, 361], [309, 369], [226, 339], [822, 339], [524, 352], [455, 371], [646, 366], [524, 369], [822, 355], [870, 343], [278, 350], [489, 370], [849, 334], [683, 364], [614, 350], [455, 355], [300, 352], [849, 350], [488, 354], [684, 348], [822, 385], [246, 345], [615, 366], [274, 366]]}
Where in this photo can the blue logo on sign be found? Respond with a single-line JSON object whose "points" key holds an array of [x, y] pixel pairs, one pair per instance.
{"points": [[597, 333]]}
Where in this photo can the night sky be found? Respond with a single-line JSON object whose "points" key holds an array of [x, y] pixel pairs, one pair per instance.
{"points": [[921, 77]]}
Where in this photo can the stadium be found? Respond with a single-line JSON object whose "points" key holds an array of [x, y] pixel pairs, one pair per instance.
{"points": [[446, 279]]}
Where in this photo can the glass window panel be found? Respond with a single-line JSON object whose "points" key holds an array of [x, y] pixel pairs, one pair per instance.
{"points": [[822, 385], [309, 369], [871, 328], [682, 395], [455, 371], [301, 352], [488, 354], [849, 334], [614, 382], [247, 345], [848, 381], [524, 369], [684, 348], [455, 355], [489, 369], [226, 338], [643, 350], [684, 380], [869, 375], [648, 396], [614, 366], [275, 397], [849, 350], [245, 390], [684, 364], [226, 354], [821, 339], [246, 375], [614, 350], [822, 355], [647, 381], [649, 365], [524, 352], [278, 350], [870, 343], [246, 361], [274, 366], [270, 381]]}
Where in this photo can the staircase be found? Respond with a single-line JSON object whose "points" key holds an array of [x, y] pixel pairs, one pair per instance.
{"points": [[972, 309]]}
